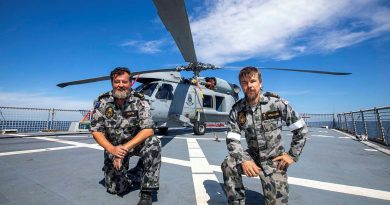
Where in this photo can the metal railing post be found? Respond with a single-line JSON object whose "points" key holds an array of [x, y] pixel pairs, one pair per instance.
{"points": [[52, 119], [333, 122], [339, 120], [380, 126], [353, 123], [364, 123], [345, 120], [48, 120]]}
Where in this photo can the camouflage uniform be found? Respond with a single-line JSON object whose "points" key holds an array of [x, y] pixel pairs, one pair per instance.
{"points": [[120, 124], [262, 126]]}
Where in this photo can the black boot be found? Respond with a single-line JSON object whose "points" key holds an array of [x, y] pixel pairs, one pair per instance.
{"points": [[145, 198]]}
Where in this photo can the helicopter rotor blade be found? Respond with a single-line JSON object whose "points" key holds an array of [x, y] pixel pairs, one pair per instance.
{"points": [[92, 80], [89, 80], [174, 16], [292, 70]]}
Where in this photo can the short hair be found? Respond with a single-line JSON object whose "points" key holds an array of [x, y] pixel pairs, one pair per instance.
{"points": [[119, 71], [249, 71]]}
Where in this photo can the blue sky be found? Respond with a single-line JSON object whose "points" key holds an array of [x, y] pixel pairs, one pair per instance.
{"points": [[43, 43]]}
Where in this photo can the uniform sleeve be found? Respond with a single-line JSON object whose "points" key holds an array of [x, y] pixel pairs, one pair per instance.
{"points": [[97, 122], [233, 139], [145, 118], [297, 126]]}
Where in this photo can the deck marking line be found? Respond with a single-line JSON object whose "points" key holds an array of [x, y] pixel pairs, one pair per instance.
{"points": [[354, 190], [370, 144], [325, 136], [73, 136], [94, 146], [36, 150], [179, 162], [17, 135], [206, 184]]}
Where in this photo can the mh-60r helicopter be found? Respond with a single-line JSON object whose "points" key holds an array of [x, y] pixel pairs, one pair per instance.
{"points": [[176, 101]]}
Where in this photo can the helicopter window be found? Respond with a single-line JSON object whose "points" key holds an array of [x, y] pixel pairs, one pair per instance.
{"points": [[147, 89], [207, 101], [165, 92], [219, 105]]}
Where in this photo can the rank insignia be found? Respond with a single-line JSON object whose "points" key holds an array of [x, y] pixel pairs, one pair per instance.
{"points": [[109, 112], [241, 118]]}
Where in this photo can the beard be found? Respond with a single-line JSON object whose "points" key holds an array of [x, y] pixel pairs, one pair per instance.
{"points": [[121, 94], [252, 97]]}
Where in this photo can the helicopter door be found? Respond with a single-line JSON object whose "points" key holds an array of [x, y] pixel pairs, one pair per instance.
{"points": [[163, 100]]}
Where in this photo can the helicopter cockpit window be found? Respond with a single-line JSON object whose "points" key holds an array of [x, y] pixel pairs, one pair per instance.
{"points": [[165, 92], [147, 89], [207, 101]]}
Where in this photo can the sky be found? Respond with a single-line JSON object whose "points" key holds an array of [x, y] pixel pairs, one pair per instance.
{"points": [[43, 43]]}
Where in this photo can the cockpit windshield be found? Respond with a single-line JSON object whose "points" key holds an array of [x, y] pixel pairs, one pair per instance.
{"points": [[146, 89]]}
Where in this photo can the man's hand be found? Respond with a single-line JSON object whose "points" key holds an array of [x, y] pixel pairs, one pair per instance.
{"points": [[250, 169], [118, 151], [117, 163], [285, 160]]}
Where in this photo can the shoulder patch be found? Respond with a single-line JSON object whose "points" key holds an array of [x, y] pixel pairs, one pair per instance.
{"points": [[109, 112], [139, 95], [270, 94], [242, 118]]}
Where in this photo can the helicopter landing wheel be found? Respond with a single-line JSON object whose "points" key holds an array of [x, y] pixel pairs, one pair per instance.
{"points": [[163, 130], [199, 128]]}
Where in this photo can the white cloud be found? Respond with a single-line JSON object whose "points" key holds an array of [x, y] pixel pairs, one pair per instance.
{"points": [[149, 47], [232, 31], [41, 100]]}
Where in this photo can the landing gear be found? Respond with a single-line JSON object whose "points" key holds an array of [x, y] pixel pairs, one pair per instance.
{"points": [[163, 130], [199, 128]]}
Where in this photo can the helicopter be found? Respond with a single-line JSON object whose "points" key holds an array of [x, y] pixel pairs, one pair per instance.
{"points": [[177, 101]]}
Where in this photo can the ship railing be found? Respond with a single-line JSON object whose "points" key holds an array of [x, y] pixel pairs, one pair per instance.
{"points": [[373, 124], [23, 120]]}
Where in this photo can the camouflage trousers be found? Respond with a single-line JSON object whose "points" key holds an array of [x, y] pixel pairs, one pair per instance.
{"points": [[148, 166], [275, 186]]}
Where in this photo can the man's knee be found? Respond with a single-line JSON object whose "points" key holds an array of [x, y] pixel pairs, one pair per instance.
{"points": [[152, 144]]}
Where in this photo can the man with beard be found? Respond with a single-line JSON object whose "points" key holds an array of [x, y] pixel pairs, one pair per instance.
{"points": [[123, 126], [260, 117]]}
